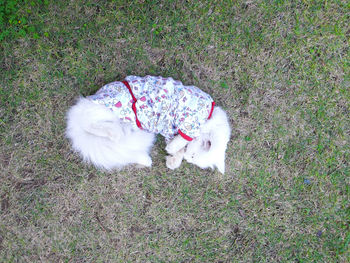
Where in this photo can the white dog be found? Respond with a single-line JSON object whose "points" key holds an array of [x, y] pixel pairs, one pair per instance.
{"points": [[117, 126]]}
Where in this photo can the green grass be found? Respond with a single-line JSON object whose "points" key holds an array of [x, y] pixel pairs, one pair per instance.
{"points": [[279, 68]]}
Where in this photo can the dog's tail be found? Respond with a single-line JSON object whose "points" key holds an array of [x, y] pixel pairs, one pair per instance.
{"points": [[98, 136]]}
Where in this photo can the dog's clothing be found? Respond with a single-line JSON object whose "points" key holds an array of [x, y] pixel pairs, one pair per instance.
{"points": [[158, 105]]}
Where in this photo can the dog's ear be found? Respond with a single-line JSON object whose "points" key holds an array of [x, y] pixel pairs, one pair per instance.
{"points": [[206, 145], [220, 163]]}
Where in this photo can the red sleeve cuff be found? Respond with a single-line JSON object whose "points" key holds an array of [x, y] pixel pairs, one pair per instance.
{"points": [[186, 137]]}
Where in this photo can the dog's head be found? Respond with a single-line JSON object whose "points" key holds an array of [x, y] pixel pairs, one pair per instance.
{"points": [[208, 149], [201, 152]]}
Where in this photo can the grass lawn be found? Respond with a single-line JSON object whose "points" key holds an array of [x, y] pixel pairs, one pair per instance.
{"points": [[279, 68]]}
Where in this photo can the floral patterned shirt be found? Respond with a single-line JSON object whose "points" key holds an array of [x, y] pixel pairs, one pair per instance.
{"points": [[158, 105]]}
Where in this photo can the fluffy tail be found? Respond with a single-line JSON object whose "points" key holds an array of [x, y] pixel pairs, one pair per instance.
{"points": [[98, 136]]}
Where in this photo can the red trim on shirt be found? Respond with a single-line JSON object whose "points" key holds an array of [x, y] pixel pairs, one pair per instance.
{"points": [[138, 123], [212, 109], [186, 137]]}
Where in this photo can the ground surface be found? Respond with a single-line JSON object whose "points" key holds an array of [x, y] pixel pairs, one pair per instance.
{"points": [[279, 68]]}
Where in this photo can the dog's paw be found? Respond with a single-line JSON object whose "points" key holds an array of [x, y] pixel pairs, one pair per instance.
{"points": [[172, 148], [176, 144], [173, 162], [169, 149]]}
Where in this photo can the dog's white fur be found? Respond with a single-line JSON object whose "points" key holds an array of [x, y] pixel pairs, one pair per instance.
{"points": [[100, 138], [209, 149]]}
